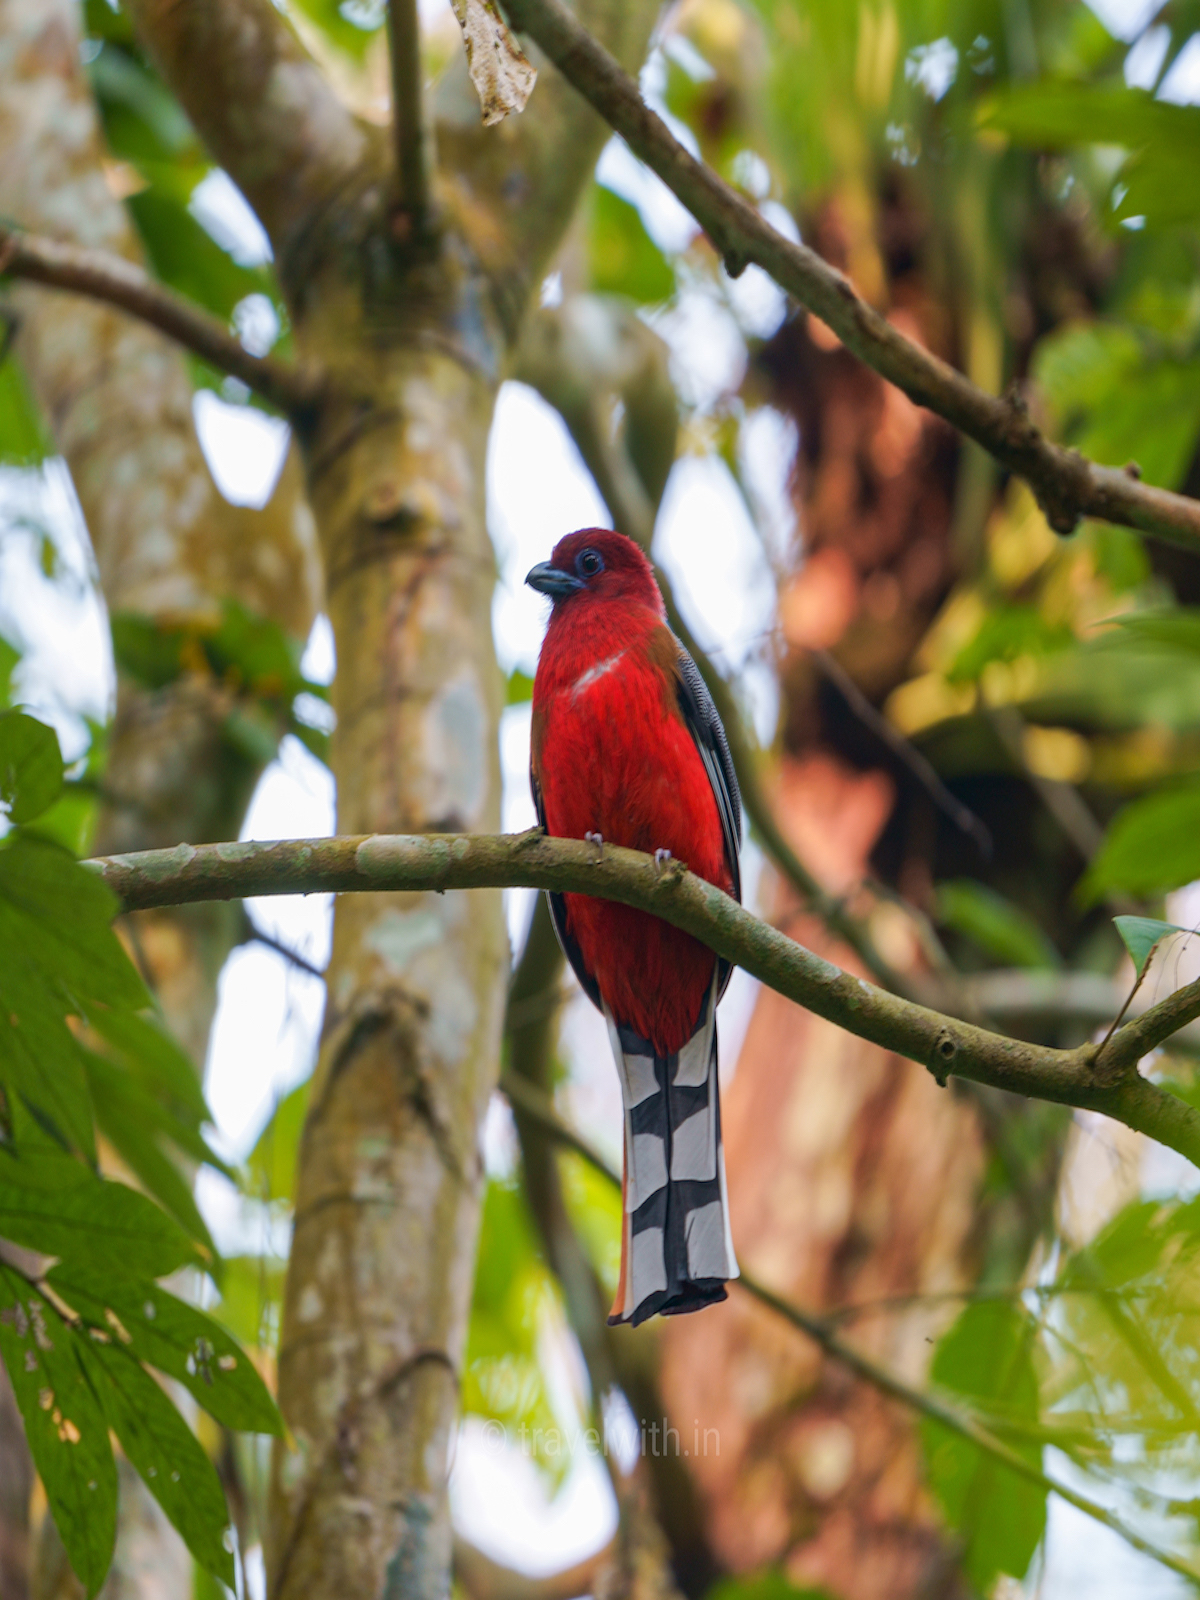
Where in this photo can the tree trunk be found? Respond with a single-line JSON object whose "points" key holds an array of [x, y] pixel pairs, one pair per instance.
{"points": [[412, 318]]}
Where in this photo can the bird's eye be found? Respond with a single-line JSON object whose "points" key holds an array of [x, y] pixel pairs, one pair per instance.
{"points": [[589, 563]]}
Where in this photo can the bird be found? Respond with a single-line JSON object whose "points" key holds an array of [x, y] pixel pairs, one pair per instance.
{"points": [[627, 748]]}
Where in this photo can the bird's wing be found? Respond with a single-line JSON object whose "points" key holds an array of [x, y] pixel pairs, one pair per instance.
{"points": [[697, 709], [558, 911], [700, 714]]}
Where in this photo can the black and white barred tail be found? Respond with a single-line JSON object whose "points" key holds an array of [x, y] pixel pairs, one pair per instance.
{"points": [[676, 1249]]}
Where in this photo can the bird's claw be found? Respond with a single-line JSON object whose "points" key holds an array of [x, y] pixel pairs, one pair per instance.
{"points": [[662, 857], [598, 840]]}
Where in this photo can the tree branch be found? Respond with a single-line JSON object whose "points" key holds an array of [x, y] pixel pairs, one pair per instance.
{"points": [[823, 1332], [262, 106], [1066, 484], [118, 282], [1090, 1077], [515, 191], [408, 127]]}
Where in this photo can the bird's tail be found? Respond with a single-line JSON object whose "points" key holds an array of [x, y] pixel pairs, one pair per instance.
{"points": [[676, 1250]]}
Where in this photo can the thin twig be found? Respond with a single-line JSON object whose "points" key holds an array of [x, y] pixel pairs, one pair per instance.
{"points": [[101, 276], [963, 818], [1066, 484], [761, 813], [1062, 800], [257, 935], [408, 126], [1087, 1077], [822, 1332]]}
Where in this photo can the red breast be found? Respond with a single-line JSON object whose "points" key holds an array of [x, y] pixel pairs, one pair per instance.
{"points": [[613, 756]]}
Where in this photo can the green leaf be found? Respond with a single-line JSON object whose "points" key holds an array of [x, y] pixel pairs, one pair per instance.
{"points": [[44, 1164], [65, 1428], [1141, 935], [994, 923], [39, 1055], [100, 1221], [159, 1064], [986, 1358], [31, 768], [168, 1457], [1005, 633], [1121, 397], [134, 1124], [1152, 846], [1117, 682], [63, 913], [1160, 178], [770, 1584], [1052, 115], [623, 258], [9, 656], [71, 821], [176, 1338], [1175, 627], [272, 1162], [24, 441], [349, 25], [187, 257], [503, 1374], [142, 118], [149, 651], [520, 688], [252, 1298]]}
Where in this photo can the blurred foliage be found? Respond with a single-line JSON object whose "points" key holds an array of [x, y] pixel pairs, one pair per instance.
{"points": [[987, 1358], [513, 1311], [623, 258], [982, 168], [253, 660], [82, 1053], [769, 1585], [1000, 929]]}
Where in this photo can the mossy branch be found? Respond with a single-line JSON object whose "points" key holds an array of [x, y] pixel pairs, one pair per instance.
{"points": [[1095, 1078], [1067, 485]]}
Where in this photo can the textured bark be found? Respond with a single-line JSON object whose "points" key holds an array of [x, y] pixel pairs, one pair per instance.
{"points": [[118, 400], [389, 1174], [852, 1177]]}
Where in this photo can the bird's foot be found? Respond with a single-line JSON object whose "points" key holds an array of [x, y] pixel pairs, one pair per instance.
{"points": [[598, 840], [662, 857]]}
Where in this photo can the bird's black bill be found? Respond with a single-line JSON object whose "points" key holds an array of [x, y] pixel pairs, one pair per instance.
{"points": [[553, 581]]}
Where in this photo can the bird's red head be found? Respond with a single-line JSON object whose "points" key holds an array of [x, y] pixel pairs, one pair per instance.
{"points": [[601, 564]]}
